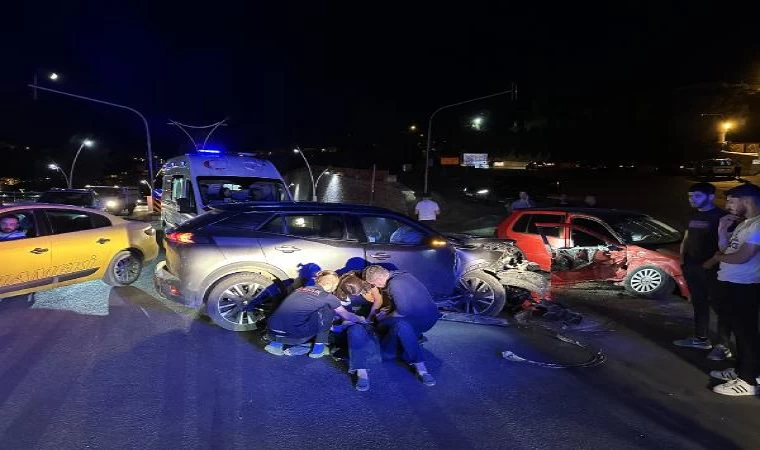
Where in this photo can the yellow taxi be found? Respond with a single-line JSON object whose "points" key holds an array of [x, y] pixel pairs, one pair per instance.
{"points": [[44, 246]]}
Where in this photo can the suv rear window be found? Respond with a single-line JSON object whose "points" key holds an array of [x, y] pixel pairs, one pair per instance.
{"points": [[247, 221], [326, 226], [200, 221]]}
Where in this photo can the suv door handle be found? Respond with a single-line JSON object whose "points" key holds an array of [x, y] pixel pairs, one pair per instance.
{"points": [[38, 250], [287, 249], [103, 240], [380, 256]]}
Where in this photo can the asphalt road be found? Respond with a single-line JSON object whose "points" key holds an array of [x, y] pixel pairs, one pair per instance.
{"points": [[88, 366]]}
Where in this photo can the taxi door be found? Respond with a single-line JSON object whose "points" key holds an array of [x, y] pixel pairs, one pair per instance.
{"points": [[83, 244], [25, 265]]}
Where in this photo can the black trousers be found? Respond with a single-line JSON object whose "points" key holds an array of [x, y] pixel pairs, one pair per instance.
{"points": [[740, 304], [701, 283], [317, 328]]}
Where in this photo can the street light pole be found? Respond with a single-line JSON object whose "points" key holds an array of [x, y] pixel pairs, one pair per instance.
{"points": [[311, 174], [326, 171], [85, 143], [513, 91], [115, 105], [55, 166]]}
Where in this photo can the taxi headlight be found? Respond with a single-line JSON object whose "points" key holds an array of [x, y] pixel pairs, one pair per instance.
{"points": [[111, 203]]}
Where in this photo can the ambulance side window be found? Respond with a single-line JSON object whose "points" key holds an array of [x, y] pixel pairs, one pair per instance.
{"points": [[167, 193], [178, 187]]}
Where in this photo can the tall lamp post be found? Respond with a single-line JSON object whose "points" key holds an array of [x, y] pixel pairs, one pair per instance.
{"points": [[115, 105], [56, 167], [324, 172], [512, 91], [85, 143], [311, 174]]}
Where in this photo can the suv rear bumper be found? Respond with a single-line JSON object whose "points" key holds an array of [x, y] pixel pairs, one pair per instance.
{"points": [[169, 286]]}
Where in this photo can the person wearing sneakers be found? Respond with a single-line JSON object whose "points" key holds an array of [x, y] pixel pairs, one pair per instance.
{"points": [[305, 315], [362, 341], [412, 313], [738, 288], [699, 244]]}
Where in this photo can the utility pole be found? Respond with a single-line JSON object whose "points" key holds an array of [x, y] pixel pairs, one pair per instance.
{"points": [[512, 90]]}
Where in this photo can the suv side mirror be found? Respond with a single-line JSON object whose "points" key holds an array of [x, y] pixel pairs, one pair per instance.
{"points": [[184, 205]]}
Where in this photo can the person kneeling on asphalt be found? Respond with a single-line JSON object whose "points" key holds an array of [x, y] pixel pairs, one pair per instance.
{"points": [[412, 313], [306, 315], [738, 288], [363, 345]]}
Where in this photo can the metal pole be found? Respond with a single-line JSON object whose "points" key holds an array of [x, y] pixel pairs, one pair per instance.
{"points": [[430, 125], [320, 176], [71, 172], [372, 186], [65, 178], [311, 174], [116, 105]]}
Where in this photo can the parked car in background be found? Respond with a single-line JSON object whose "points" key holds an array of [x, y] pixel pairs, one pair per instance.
{"points": [[62, 245], [718, 167], [117, 199], [237, 260], [86, 198], [589, 244], [506, 189]]}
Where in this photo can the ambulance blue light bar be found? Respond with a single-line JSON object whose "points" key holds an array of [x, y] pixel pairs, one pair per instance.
{"points": [[213, 152]]}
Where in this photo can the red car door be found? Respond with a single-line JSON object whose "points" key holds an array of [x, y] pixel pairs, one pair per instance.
{"points": [[522, 229], [585, 256]]}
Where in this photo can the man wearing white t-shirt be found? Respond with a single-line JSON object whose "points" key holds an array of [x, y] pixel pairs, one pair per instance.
{"points": [[737, 291], [427, 210]]}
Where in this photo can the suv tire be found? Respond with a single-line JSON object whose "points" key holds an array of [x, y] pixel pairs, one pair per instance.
{"points": [[235, 312], [649, 282], [485, 294]]}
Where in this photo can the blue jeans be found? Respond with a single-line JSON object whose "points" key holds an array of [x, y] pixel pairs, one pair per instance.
{"points": [[363, 347], [399, 337]]}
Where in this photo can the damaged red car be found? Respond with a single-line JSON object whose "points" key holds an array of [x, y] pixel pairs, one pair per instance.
{"points": [[581, 245]]}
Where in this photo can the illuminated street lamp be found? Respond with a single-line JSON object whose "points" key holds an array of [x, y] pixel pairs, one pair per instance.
{"points": [[412, 127], [311, 174], [477, 123], [324, 172], [85, 143], [53, 76], [724, 128], [54, 166]]}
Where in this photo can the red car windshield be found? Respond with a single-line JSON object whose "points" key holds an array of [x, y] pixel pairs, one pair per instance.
{"points": [[641, 230]]}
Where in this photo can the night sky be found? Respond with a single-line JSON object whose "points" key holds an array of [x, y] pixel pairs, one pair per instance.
{"points": [[319, 74]]}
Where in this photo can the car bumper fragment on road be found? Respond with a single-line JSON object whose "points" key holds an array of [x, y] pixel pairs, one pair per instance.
{"points": [[168, 286]]}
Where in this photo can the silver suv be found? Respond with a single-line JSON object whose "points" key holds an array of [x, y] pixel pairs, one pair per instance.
{"points": [[237, 260]]}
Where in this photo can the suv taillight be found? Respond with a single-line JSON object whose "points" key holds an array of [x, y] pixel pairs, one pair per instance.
{"points": [[186, 237]]}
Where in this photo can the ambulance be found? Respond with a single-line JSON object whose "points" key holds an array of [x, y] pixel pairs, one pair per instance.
{"points": [[191, 184]]}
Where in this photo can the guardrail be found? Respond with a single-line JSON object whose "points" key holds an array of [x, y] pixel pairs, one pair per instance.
{"points": [[18, 197]]}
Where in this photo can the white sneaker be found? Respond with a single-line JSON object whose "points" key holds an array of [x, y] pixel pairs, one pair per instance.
{"points": [[725, 375], [735, 388]]}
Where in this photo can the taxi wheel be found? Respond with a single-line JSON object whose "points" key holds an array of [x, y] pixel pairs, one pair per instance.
{"points": [[240, 301], [124, 269]]}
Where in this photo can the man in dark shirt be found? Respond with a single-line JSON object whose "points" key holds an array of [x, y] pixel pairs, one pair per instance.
{"points": [[307, 314], [413, 312], [699, 245]]}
